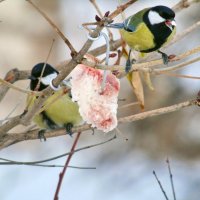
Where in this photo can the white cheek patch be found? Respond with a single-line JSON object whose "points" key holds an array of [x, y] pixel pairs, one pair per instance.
{"points": [[48, 79], [155, 18]]}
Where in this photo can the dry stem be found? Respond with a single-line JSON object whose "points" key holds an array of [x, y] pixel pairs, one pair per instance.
{"points": [[10, 139], [67, 42], [61, 175]]}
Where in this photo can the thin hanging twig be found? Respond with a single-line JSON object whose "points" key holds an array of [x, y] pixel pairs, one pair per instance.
{"points": [[161, 187], [67, 42], [171, 178], [61, 175]]}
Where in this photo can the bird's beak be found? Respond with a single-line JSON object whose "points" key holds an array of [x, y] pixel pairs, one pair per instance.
{"points": [[173, 23], [33, 78], [170, 23]]}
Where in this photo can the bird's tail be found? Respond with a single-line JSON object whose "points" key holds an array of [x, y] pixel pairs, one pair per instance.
{"points": [[116, 25]]}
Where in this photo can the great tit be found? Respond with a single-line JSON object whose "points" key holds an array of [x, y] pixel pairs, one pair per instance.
{"points": [[60, 111], [148, 30]]}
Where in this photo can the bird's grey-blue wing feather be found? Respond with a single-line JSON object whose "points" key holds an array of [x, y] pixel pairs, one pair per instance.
{"points": [[116, 25]]}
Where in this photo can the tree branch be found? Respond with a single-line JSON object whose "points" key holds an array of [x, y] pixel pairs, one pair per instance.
{"points": [[67, 42], [61, 175], [10, 139], [12, 162], [184, 4]]}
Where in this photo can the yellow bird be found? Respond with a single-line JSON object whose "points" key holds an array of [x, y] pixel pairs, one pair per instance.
{"points": [[58, 111], [148, 30]]}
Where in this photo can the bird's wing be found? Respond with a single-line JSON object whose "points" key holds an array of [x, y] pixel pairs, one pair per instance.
{"points": [[132, 22]]}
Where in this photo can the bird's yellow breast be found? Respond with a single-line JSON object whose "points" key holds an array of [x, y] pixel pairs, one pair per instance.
{"points": [[59, 108], [139, 40]]}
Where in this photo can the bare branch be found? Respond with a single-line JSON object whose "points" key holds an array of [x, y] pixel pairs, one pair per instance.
{"points": [[130, 104], [171, 178], [94, 3], [9, 125], [184, 4], [10, 139], [147, 66], [61, 175], [67, 42], [179, 75], [114, 45], [175, 67], [44, 165], [11, 77], [17, 88], [8, 161], [121, 8], [158, 111], [160, 185]]}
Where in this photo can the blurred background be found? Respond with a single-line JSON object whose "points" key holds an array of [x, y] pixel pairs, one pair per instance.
{"points": [[124, 168]]}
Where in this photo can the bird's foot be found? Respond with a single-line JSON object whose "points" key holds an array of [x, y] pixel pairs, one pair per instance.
{"points": [[41, 135], [92, 131], [68, 128], [70, 94], [165, 57], [129, 64]]}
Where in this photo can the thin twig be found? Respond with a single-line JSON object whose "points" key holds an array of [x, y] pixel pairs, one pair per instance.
{"points": [[183, 34], [43, 69], [42, 165], [67, 42], [9, 125], [17, 88], [10, 139], [61, 175], [171, 178], [128, 105], [12, 76], [175, 67], [156, 112], [161, 187], [147, 66], [184, 4], [114, 45], [94, 3], [122, 13], [57, 157], [121, 9], [179, 75]]}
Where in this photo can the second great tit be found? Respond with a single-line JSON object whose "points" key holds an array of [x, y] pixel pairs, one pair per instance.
{"points": [[148, 30], [59, 109]]}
